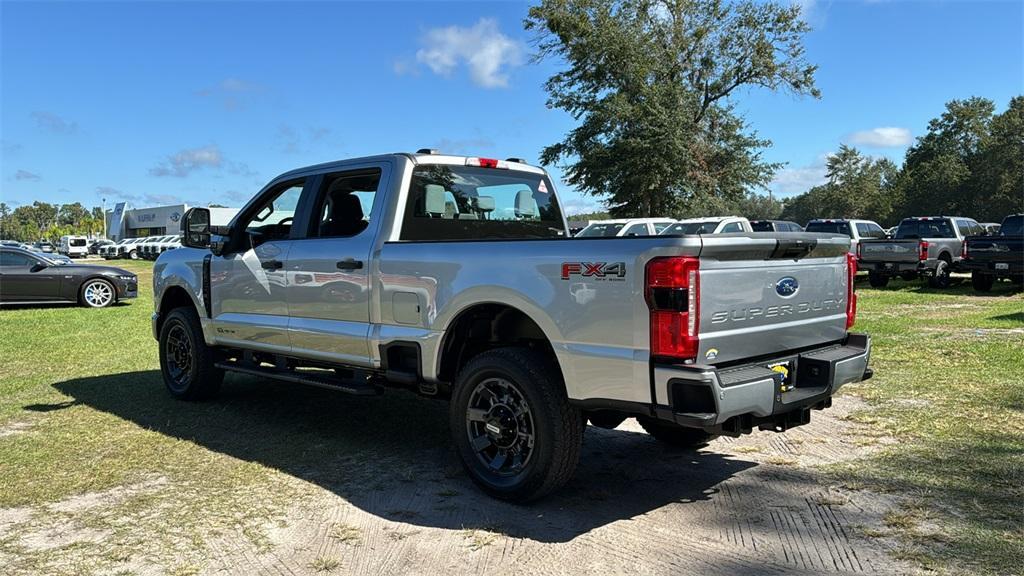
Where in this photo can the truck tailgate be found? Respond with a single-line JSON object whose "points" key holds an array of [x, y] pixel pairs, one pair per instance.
{"points": [[889, 250], [758, 298]]}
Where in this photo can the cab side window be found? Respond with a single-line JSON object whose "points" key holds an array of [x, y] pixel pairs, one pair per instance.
{"points": [[636, 230], [659, 227], [732, 227], [345, 203], [272, 220]]}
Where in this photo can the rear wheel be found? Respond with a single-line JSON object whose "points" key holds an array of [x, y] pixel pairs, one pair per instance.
{"points": [[878, 280], [97, 293], [940, 279], [982, 282], [674, 434], [133, 255], [512, 425], [186, 362]]}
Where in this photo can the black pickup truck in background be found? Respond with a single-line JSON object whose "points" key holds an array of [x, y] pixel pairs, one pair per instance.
{"points": [[990, 258]]}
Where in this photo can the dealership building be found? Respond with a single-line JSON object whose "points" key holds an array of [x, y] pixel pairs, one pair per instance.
{"points": [[126, 222]]}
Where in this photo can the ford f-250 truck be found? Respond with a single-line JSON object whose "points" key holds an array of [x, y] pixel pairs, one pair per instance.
{"points": [[456, 277], [989, 258], [928, 246]]}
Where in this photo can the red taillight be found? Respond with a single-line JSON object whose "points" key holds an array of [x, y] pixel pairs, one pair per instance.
{"points": [[923, 253], [673, 295], [858, 250], [851, 295]]}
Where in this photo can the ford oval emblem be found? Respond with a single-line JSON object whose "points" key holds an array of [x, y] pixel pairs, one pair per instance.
{"points": [[787, 286]]}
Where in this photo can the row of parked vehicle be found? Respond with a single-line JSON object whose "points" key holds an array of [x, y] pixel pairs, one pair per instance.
{"points": [[147, 248], [930, 247]]}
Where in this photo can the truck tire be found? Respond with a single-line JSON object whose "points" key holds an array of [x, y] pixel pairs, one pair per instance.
{"points": [[877, 280], [940, 279], [982, 282], [674, 434], [518, 437], [186, 362]]}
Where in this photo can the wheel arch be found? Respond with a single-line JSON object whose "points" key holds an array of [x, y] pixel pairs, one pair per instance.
{"points": [[487, 325], [174, 297]]}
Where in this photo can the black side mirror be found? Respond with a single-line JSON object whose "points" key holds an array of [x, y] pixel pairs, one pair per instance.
{"points": [[195, 228]]}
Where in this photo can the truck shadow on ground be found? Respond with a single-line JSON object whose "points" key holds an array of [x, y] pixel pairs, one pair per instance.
{"points": [[391, 455]]}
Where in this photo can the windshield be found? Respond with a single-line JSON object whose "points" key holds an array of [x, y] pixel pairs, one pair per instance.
{"points": [[829, 228], [1012, 226], [913, 229], [601, 230], [691, 228]]}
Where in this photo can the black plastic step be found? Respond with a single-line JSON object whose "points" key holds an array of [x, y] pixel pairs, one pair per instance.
{"points": [[319, 380]]}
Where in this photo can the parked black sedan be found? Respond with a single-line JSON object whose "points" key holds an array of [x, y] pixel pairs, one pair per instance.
{"points": [[32, 278]]}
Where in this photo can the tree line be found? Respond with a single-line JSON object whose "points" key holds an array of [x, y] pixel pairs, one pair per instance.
{"points": [[969, 163], [651, 85], [45, 221]]}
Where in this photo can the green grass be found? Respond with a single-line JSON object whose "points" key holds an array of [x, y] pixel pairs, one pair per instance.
{"points": [[86, 413], [949, 386]]}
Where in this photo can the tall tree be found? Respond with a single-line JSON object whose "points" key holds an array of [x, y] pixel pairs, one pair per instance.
{"points": [[650, 83], [858, 187], [937, 170]]}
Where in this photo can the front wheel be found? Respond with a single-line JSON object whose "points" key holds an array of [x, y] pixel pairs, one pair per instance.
{"points": [[186, 362], [674, 434], [512, 425], [940, 279], [982, 282], [133, 255], [97, 293], [877, 280]]}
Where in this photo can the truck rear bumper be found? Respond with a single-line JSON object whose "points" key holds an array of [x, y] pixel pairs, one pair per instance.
{"points": [[774, 393]]}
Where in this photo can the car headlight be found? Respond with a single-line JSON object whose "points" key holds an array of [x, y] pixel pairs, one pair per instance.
{"points": [[126, 277]]}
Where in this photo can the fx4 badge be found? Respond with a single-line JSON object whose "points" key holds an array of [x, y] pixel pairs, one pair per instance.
{"points": [[597, 270]]}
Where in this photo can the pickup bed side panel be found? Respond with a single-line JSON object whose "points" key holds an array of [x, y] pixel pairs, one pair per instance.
{"points": [[597, 324]]}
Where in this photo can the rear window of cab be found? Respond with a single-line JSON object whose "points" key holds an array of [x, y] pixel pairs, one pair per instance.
{"points": [[475, 203]]}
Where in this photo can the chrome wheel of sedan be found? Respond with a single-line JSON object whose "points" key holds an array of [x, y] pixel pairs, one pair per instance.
{"points": [[98, 293]]}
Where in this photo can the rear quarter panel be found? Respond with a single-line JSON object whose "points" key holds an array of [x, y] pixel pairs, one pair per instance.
{"points": [[598, 326]]}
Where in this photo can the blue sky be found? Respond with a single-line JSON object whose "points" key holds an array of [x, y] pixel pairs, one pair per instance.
{"points": [[204, 102]]}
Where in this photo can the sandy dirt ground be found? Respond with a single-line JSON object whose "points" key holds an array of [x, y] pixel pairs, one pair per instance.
{"points": [[753, 505]]}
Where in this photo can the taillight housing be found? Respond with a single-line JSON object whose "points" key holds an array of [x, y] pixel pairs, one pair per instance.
{"points": [[673, 296], [851, 294], [963, 251], [922, 254]]}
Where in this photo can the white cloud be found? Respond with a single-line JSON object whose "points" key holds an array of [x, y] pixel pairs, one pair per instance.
{"points": [[483, 49], [184, 162], [113, 194], [26, 175], [573, 204], [884, 137], [792, 181], [54, 123]]}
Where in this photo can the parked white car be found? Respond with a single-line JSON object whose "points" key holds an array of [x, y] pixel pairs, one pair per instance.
{"points": [[74, 246], [127, 248], [709, 225], [625, 227], [855, 229], [149, 248], [168, 243]]}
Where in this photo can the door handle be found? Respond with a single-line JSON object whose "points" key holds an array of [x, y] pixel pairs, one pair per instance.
{"points": [[272, 264], [350, 264]]}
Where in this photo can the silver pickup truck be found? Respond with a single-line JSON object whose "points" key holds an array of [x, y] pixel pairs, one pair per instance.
{"points": [[929, 246], [456, 277]]}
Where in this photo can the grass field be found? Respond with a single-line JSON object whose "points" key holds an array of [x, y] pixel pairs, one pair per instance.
{"points": [[84, 419]]}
